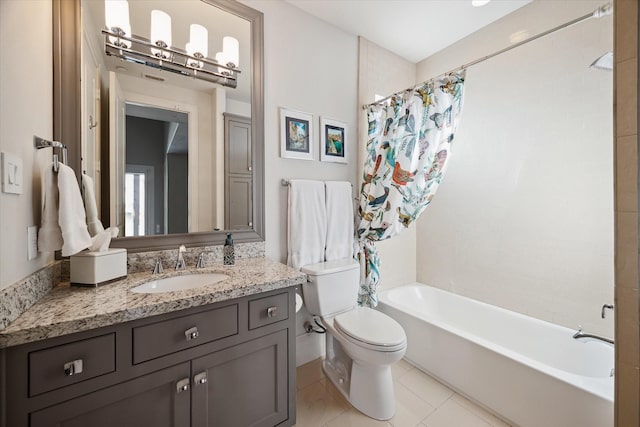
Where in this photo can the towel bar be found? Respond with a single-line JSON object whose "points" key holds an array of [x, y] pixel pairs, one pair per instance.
{"points": [[45, 143]]}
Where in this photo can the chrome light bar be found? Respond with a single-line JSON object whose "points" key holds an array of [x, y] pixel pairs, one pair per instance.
{"points": [[174, 60]]}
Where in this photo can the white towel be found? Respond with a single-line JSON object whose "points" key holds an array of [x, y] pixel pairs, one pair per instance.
{"points": [[307, 222], [93, 223], [49, 235], [339, 220], [71, 215]]}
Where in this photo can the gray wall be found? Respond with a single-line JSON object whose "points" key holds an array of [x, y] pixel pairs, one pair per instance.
{"points": [[178, 193], [146, 146]]}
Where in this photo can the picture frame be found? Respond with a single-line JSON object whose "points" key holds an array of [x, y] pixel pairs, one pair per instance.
{"points": [[296, 135], [333, 140]]}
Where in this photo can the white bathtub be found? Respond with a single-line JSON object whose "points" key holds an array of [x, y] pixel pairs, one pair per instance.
{"points": [[529, 372]]}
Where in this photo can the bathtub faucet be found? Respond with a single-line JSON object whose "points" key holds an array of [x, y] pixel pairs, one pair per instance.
{"points": [[579, 335], [609, 306]]}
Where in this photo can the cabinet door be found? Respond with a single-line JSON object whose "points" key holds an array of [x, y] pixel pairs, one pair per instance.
{"points": [[243, 386], [238, 144], [239, 211], [151, 400]]}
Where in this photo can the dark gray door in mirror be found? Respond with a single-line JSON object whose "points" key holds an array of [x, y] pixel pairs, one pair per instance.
{"points": [[181, 131]]}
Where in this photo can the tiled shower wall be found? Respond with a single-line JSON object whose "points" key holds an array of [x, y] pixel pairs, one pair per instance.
{"points": [[627, 411]]}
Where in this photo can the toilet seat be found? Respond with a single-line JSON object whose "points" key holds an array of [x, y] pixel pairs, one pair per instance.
{"points": [[371, 329]]}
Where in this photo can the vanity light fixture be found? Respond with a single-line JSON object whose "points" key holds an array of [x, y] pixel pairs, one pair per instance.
{"points": [[158, 52], [479, 3]]}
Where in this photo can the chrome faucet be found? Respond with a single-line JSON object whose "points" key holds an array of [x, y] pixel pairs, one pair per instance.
{"points": [[581, 335], [180, 265], [609, 306]]}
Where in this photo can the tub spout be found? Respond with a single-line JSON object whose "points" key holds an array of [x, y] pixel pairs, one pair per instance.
{"points": [[581, 335]]}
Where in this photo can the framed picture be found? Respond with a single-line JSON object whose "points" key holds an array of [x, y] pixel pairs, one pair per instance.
{"points": [[296, 135], [333, 138]]}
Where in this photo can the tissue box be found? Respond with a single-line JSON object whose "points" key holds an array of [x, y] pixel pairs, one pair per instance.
{"points": [[98, 268]]}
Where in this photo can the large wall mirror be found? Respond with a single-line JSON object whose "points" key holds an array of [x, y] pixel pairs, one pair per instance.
{"points": [[175, 156]]}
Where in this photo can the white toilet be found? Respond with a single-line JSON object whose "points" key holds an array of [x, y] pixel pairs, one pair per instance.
{"points": [[362, 343]]}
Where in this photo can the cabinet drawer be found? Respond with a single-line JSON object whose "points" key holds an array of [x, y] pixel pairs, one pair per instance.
{"points": [[169, 336], [71, 363], [264, 311]]}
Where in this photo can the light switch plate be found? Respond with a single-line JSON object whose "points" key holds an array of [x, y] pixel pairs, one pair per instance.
{"points": [[32, 242], [11, 173]]}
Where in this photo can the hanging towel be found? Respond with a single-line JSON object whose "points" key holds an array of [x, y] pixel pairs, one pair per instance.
{"points": [[49, 235], [340, 219], [71, 215], [93, 223], [307, 228]]}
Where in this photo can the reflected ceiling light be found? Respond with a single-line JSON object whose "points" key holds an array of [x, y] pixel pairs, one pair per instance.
{"points": [[231, 49], [221, 59], [518, 36], [478, 3], [157, 51]]}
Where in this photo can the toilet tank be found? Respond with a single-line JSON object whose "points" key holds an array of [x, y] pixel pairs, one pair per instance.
{"points": [[332, 286]]}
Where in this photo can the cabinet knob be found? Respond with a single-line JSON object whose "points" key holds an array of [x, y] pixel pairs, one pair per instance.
{"points": [[182, 385], [73, 368], [250, 168], [200, 378], [191, 333], [272, 311]]}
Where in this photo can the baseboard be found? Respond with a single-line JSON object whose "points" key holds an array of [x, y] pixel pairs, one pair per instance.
{"points": [[309, 347]]}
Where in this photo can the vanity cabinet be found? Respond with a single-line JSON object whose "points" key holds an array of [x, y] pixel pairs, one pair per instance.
{"points": [[226, 364], [149, 400]]}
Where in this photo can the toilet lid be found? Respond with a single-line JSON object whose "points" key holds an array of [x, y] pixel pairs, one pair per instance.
{"points": [[371, 327]]}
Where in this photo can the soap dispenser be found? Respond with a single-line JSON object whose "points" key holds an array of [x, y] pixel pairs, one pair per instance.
{"points": [[228, 252]]}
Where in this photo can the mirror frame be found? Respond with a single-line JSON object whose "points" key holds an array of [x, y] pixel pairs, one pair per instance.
{"points": [[67, 34]]}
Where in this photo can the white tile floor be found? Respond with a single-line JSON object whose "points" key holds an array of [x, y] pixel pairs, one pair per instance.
{"points": [[421, 401]]}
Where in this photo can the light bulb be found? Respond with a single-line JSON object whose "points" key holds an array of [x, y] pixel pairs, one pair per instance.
{"points": [[160, 32], [231, 49], [116, 14], [221, 59], [198, 41]]}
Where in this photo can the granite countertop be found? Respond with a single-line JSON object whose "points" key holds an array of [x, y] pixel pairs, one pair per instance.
{"points": [[69, 309]]}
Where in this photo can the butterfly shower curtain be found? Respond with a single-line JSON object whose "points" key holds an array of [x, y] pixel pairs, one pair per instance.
{"points": [[407, 154]]}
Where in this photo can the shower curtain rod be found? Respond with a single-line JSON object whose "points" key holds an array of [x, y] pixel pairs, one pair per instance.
{"points": [[603, 10]]}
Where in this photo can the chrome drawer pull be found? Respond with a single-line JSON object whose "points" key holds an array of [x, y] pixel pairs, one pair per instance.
{"points": [[272, 311], [191, 333], [182, 385], [200, 378], [73, 368]]}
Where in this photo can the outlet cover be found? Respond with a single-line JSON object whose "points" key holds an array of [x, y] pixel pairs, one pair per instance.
{"points": [[11, 173], [32, 242]]}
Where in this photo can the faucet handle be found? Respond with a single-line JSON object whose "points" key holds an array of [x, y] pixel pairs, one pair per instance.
{"points": [[180, 265], [158, 268], [605, 306], [200, 263]]}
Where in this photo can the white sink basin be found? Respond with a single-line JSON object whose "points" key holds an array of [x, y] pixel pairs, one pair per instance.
{"points": [[179, 283]]}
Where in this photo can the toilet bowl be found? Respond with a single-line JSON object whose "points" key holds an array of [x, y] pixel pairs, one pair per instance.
{"points": [[361, 343]]}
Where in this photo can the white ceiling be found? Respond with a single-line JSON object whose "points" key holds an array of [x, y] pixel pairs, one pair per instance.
{"points": [[413, 29]]}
